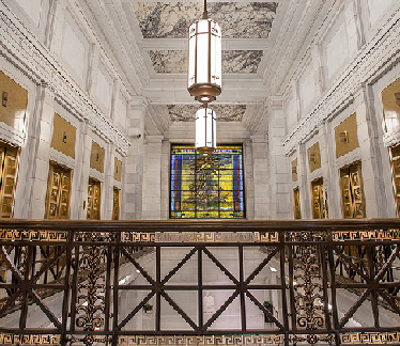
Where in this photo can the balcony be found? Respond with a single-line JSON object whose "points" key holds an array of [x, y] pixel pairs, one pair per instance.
{"points": [[193, 283]]}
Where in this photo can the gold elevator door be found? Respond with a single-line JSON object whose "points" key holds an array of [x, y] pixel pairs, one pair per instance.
{"points": [[8, 178], [58, 192]]}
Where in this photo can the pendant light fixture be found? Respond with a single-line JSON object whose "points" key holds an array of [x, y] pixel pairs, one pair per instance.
{"points": [[205, 77], [205, 131], [204, 70]]}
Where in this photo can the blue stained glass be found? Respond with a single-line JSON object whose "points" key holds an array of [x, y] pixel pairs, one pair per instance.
{"points": [[216, 193]]}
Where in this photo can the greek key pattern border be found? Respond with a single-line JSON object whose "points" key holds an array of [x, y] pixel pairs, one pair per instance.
{"points": [[49, 236], [207, 340], [366, 235], [370, 338], [31, 339], [200, 237]]}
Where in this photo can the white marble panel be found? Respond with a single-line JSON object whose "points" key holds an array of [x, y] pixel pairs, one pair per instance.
{"points": [[291, 113], [307, 87], [75, 48], [120, 111], [102, 89], [377, 8], [336, 51], [33, 9]]}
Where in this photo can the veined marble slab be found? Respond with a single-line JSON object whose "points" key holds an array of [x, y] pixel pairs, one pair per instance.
{"points": [[225, 113], [233, 61], [241, 20]]}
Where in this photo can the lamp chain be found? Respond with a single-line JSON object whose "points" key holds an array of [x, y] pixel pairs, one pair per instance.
{"points": [[205, 15]]}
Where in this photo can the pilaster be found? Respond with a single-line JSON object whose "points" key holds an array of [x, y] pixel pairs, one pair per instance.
{"points": [[152, 179], [132, 197], [279, 167]]}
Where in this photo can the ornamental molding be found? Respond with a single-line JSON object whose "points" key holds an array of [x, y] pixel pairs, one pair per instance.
{"points": [[392, 138], [377, 57], [21, 48]]}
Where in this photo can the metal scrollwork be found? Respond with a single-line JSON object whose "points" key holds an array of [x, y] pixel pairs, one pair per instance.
{"points": [[91, 293], [307, 287]]}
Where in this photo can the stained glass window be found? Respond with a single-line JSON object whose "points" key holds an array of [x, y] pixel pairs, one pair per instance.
{"points": [[207, 188]]}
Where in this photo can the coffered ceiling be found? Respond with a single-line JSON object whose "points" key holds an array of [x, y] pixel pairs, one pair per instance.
{"points": [[153, 35]]}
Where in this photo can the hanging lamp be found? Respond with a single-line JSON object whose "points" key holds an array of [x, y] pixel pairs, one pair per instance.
{"points": [[204, 63], [205, 131]]}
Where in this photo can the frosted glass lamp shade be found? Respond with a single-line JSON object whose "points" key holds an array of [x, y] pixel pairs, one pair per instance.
{"points": [[204, 63], [205, 131]]}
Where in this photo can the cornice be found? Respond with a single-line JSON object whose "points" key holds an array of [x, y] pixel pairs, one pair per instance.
{"points": [[382, 53], [27, 54]]}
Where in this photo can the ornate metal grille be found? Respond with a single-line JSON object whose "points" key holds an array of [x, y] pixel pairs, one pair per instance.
{"points": [[245, 283]]}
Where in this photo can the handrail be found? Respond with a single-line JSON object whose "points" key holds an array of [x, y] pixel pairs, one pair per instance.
{"points": [[190, 225], [313, 264]]}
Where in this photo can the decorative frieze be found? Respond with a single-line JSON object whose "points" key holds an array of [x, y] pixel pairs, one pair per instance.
{"points": [[27, 54], [379, 55]]}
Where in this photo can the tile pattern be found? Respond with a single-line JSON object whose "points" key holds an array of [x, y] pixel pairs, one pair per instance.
{"points": [[237, 20], [225, 113], [233, 61]]}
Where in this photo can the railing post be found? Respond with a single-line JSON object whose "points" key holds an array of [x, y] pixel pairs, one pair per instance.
{"points": [[284, 286], [114, 341], [67, 288], [331, 261]]}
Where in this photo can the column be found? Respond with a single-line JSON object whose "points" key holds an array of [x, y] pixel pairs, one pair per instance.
{"points": [[81, 175], [131, 206], [280, 181], [259, 149], [372, 171], [305, 203], [34, 160], [152, 179]]}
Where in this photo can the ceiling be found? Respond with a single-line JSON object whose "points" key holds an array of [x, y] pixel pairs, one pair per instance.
{"points": [[153, 34]]}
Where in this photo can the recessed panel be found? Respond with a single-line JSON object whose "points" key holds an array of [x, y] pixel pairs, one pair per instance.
{"points": [[225, 113], [233, 61], [237, 20]]}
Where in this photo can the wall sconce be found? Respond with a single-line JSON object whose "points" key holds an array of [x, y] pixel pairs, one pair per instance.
{"points": [[344, 137], [4, 99], [397, 96]]}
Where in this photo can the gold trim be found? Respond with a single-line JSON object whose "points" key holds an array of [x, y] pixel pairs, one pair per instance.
{"points": [[366, 235], [209, 340], [50, 236], [370, 338], [31, 339], [200, 237]]}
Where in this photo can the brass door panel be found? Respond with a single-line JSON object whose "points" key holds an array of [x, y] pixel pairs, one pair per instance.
{"points": [[353, 202], [64, 136], [296, 204], [97, 156], [319, 207], [8, 178], [94, 200], [14, 101], [116, 203], [58, 192], [346, 136]]}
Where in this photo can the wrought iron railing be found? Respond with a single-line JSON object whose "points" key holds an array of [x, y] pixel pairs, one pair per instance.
{"points": [[332, 282]]}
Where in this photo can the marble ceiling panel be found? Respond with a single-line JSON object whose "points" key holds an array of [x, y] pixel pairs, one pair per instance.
{"points": [[236, 19], [225, 113], [233, 61]]}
